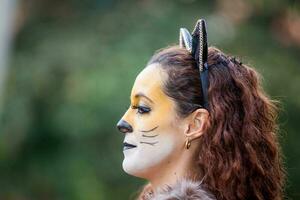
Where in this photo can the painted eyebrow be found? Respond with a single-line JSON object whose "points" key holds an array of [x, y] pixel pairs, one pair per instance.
{"points": [[140, 94]]}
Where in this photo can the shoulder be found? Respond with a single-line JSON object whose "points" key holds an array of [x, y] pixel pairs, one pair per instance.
{"points": [[182, 190]]}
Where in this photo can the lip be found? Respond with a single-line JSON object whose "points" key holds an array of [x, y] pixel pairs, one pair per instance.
{"points": [[128, 146]]}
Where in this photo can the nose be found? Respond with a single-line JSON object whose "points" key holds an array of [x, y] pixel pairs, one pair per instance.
{"points": [[124, 127]]}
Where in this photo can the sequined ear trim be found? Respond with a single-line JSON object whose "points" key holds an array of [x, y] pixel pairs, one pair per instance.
{"points": [[185, 39]]}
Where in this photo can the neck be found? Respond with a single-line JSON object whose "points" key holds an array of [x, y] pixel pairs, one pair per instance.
{"points": [[176, 168]]}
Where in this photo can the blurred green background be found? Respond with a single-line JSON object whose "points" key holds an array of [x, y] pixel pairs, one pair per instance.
{"points": [[71, 68]]}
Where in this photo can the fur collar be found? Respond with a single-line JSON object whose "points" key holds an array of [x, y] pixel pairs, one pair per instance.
{"points": [[182, 190]]}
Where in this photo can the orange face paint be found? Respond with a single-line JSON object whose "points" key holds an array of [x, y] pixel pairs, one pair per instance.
{"points": [[147, 91]]}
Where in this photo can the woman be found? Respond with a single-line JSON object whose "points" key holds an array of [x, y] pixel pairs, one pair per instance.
{"points": [[200, 127]]}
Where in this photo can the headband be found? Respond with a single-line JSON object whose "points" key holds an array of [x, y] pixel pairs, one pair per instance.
{"points": [[196, 44]]}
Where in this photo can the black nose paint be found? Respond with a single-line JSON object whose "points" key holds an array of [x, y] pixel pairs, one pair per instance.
{"points": [[124, 127]]}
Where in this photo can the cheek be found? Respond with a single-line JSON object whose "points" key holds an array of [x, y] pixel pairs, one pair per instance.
{"points": [[155, 154]]}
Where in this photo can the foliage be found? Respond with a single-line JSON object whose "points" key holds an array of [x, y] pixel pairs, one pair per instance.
{"points": [[69, 81]]}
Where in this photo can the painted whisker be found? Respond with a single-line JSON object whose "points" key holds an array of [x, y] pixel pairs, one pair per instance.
{"points": [[146, 131], [150, 143], [149, 136]]}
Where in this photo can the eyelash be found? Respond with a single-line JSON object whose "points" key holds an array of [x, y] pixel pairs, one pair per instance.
{"points": [[141, 109]]}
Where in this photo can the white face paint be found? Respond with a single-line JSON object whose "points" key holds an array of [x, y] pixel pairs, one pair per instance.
{"points": [[157, 133], [146, 155]]}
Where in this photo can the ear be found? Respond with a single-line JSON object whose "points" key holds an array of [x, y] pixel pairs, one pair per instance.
{"points": [[185, 39], [197, 123]]}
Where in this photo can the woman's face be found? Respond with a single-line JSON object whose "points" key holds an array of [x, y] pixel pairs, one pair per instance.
{"points": [[153, 133]]}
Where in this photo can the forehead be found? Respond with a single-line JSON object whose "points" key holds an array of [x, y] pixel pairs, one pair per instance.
{"points": [[150, 82]]}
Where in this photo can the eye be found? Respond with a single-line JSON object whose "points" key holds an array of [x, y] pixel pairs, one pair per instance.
{"points": [[142, 109]]}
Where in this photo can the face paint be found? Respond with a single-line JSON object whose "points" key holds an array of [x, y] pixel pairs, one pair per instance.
{"points": [[156, 134]]}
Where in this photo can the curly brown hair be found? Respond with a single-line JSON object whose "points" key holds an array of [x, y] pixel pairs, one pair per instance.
{"points": [[239, 155]]}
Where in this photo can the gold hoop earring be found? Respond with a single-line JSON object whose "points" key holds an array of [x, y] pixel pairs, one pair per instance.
{"points": [[187, 143]]}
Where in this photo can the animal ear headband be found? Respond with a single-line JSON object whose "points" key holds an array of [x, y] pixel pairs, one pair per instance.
{"points": [[196, 44]]}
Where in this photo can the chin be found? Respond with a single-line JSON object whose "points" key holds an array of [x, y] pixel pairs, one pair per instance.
{"points": [[133, 169]]}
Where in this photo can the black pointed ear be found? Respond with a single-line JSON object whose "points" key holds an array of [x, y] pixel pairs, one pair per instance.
{"points": [[199, 44], [185, 39], [200, 53]]}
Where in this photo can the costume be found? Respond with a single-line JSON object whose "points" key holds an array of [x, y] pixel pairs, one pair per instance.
{"points": [[152, 132]]}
